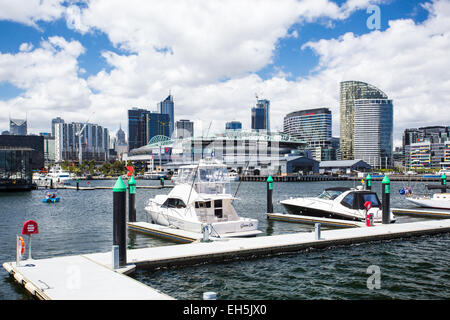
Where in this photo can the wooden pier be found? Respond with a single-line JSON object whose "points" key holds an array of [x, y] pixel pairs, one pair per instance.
{"points": [[90, 276], [326, 222], [427, 213]]}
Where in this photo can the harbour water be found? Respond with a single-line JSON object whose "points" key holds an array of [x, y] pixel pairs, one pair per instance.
{"points": [[413, 268]]}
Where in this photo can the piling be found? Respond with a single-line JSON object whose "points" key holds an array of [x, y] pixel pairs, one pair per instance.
{"points": [[444, 183], [269, 194], [119, 219], [162, 181], [132, 200], [78, 184], [369, 182], [317, 230], [386, 194]]}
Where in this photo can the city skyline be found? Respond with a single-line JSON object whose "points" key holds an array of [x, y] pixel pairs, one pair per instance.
{"points": [[65, 59]]}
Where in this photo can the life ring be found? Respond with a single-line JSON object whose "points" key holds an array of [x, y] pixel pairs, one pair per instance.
{"points": [[21, 245]]}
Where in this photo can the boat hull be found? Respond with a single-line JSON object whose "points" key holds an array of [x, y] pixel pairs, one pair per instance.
{"points": [[430, 203], [313, 212], [244, 227]]}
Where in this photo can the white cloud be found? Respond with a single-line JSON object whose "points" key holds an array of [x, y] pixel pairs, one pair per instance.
{"points": [[30, 11], [207, 54]]}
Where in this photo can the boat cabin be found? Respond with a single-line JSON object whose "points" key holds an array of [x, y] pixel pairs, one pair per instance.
{"points": [[354, 199]]}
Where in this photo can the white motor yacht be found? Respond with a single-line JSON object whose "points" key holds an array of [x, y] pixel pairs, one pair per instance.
{"points": [[234, 176], [338, 203], [436, 201], [201, 197], [59, 176]]}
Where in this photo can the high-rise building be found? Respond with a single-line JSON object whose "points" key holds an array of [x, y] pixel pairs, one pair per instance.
{"points": [[167, 107], [233, 125], [350, 91], [313, 126], [120, 136], [18, 127], [56, 120], [157, 124], [136, 128], [144, 125], [184, 129], [426, 147], [258, 118], [264, 103], [95, 142], [373, 132]]}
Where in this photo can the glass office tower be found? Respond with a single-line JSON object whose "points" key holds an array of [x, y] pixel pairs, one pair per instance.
{"points": [[373, 131], [167, 107], [350, 91]]}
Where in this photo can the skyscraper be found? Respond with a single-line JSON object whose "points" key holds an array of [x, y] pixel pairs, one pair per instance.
{"points": [[373, 131], [350, 91], [266, 105], [184, 129], [144, 125], [259, 117], [56, 120], [167, 107], [18, 127], [312, 126]]}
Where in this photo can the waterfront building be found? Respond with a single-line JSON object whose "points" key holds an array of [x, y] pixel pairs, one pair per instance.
{"points": [[343, 166], [244, 151], [95, 142], [313, 126], [157, 124], [233, 125], [56, 120], [167, 107], [33, 143], [18, 127], [350, 91], [373, 131], [184, 129], [49, 148], [15, 167], [436, 136]]}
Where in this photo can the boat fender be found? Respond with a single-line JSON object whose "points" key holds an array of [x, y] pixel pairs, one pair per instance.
{"points": [[21, 245]]}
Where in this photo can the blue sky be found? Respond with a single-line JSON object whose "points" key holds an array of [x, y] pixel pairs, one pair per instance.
{"points": [[106, 58]]}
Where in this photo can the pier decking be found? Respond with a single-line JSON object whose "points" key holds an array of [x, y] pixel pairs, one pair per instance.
{"points": [[90, 276]]}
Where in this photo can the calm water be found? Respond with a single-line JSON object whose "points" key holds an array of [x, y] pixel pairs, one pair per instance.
{"points": [[416, 268]]}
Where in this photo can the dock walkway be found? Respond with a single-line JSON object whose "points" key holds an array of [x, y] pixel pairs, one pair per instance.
{"points": [[90, 276]]}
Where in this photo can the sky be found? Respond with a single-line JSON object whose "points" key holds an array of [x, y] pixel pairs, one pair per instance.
{"points": [[94, 60]]}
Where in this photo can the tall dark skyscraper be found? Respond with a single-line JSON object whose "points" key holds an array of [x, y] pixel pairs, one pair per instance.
{"points": [[167, 107], [261, 115], [144, 125]]}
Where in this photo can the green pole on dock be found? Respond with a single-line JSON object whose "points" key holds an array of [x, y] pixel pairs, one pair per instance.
{"points": [[162, 181], [270, 194], [369, 182], [119, 219], [78, 184], [132, 200], [386, 194], [444, 183]]}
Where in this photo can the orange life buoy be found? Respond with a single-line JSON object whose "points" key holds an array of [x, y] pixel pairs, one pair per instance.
{"points": [[21, 245]]}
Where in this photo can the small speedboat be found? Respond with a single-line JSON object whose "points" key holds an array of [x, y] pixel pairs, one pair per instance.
{"points": [[50, 198], [201, 197], [338, 203]]}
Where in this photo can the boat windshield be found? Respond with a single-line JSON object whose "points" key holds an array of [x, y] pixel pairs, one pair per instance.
{"points": [[330, 194]]}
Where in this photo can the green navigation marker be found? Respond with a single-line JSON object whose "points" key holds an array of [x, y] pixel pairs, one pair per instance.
{"points": [[387, 184], [443, 179], [120, 186], [369, 180], [270, 182], [132, 185]]}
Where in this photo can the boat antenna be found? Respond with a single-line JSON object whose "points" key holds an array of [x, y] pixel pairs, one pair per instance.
{"points": [[240, 180]]}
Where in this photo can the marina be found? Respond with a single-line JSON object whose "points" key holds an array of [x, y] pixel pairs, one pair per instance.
{"points": [[146, 252]]}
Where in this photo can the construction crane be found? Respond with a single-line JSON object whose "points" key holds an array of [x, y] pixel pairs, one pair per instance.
{"points": [[80, 157]]}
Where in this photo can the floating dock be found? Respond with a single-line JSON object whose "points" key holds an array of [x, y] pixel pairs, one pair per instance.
{"points": [[327, 222], [427, 213], [90, 276]]}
